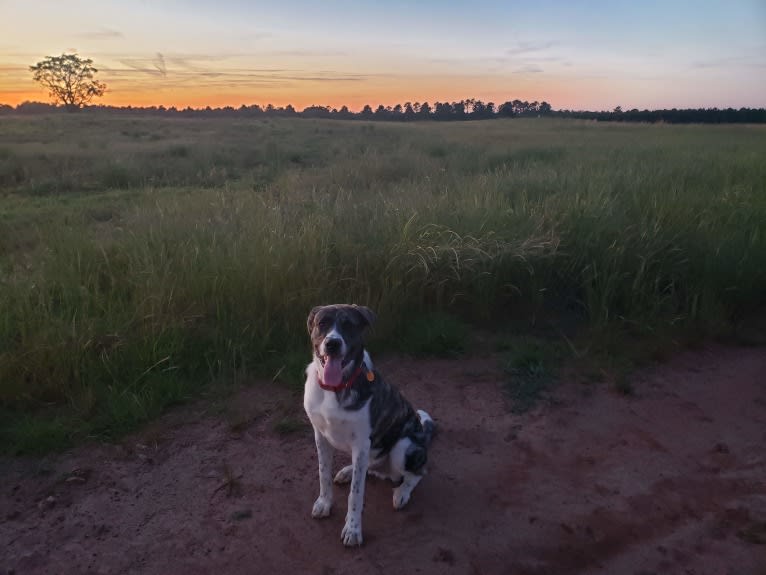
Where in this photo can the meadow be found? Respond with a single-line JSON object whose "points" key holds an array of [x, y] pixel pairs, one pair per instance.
{"points": [[144, 260]]}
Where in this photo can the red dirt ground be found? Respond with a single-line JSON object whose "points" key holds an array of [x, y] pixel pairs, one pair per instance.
{"points": [[670, 481]]}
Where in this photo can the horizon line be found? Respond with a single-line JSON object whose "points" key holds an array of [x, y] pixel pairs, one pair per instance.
{"points": [[334, 110]]}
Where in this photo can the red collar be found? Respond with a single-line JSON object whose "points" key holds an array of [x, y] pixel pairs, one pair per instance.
{"points": [[344, 384]]}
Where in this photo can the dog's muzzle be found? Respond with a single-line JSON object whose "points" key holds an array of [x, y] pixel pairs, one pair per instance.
{"points": [[333, 346], [333, 362]]}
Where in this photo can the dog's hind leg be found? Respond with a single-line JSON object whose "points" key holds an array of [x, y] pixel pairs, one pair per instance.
{"points": [[323, 504], [344, 475], [403, 492], [352, 530], [408, 461]]}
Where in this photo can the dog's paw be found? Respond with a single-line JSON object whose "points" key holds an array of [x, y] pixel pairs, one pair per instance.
{"points": [[344, 475], [321, 507], [401, 497], [351, 534]]}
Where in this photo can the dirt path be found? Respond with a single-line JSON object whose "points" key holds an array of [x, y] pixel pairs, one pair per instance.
{"points": [[670, 481]]}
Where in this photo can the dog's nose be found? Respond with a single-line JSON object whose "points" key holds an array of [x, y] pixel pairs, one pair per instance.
{"points": [[332, 346]]}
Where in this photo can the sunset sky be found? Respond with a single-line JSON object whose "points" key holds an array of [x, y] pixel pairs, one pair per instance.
{"points": [[573, 54]]}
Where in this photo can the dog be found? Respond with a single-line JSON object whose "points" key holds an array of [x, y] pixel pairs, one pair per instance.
{"points": [[352, 409]]}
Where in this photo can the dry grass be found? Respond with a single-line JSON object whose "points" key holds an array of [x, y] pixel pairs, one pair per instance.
{"points": [[144, 258]]}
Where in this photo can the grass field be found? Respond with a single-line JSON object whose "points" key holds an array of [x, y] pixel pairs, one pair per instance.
{"points": [[142, 259]]}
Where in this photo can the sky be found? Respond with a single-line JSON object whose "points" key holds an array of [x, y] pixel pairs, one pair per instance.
{"points": [[574, 54]]}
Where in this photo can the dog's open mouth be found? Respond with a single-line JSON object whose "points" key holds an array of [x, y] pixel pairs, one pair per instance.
{"points": [[332, 370]]}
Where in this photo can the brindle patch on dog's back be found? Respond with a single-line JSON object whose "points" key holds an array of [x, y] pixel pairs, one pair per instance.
{"points": [[391, 417]]}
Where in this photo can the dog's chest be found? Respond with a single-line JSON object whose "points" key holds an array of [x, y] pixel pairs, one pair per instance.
{"points": [[343, 428]]}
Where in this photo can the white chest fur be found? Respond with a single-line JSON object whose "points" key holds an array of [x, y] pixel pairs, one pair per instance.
{"points": [[343, 428]]}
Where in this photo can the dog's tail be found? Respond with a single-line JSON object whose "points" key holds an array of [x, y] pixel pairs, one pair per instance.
{"points": [[429, 427]]}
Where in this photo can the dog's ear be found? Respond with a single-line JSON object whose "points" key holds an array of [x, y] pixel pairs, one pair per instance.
{"points": [[312, 315], [368, 316]]}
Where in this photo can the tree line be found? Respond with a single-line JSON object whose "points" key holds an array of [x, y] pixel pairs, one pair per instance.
{"points": [[672, 116], [470, 109]]}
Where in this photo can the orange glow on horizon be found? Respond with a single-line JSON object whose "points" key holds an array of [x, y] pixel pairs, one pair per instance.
{"points": [[431, 90], [179, 82]]}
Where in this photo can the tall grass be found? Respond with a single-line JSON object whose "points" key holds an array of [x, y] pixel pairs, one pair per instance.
{"points": [[157, 256]]}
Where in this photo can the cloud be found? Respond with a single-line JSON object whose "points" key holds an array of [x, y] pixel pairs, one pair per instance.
{"points": [[203, 71], [746, 61], [519, 64], [529, 69], [256, 36], [530, 55], [159, 63], [449, 61], [329, 78], [152, 66], [305, 53], [135, 65], [523, 48], [545, 59], [12, 68], [102, 34]]}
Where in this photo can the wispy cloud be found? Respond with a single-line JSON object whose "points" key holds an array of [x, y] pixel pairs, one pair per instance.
{"points": [[744, 61], [305, 53], [12, 68], [202, 71], [136, 65], [256, 36], [525, 48], [529, 63], [528, 57], [152, 66], [159, 64], [329, 78], [529, 69], [101, 34]]}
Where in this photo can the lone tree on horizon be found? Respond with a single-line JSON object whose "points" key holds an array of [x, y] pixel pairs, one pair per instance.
{"points": [[69, 79]]}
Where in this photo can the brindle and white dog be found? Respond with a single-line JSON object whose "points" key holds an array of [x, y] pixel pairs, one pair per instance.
{"points": [[354, 410]]}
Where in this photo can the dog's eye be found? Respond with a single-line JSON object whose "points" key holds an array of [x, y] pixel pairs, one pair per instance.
{"points": [[323, 323], [346, 323]]}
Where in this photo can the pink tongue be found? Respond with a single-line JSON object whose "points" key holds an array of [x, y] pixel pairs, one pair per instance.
{"points": [[332, 372]]}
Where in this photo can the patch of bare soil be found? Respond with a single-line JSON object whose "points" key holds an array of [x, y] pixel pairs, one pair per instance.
{"points": [[671, 481]]}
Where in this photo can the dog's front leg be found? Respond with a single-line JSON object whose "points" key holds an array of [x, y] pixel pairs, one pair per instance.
{"points": [[352, 530], [323, 504]]}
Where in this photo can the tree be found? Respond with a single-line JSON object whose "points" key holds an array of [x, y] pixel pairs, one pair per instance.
{"points": [[506, 110], [69, 79], [442, 110], [381, 113], [409, 112]]}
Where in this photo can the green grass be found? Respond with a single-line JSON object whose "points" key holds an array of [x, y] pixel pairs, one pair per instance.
{"points": [[434, 334], [290, 424], [142, 259], [531, 367]]}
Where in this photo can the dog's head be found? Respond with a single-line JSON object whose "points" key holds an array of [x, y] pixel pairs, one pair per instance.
{"points": [[337, 337]]}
